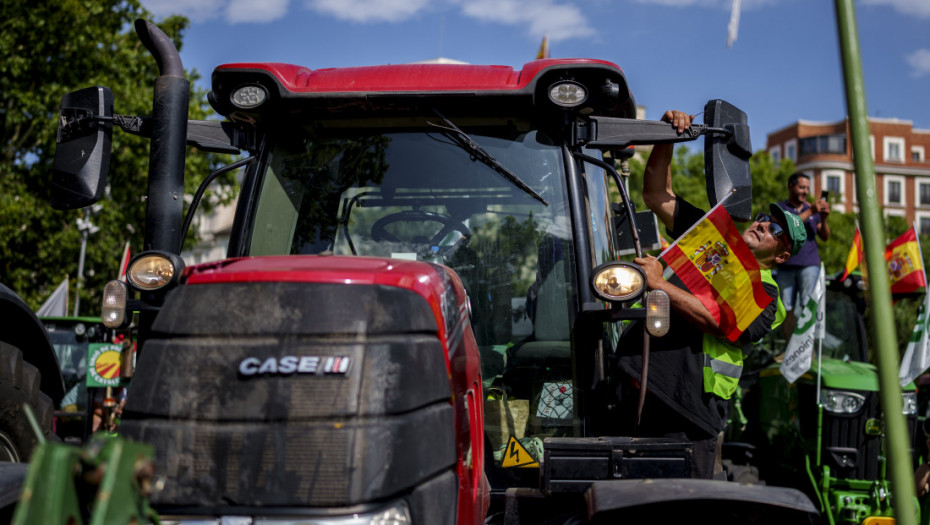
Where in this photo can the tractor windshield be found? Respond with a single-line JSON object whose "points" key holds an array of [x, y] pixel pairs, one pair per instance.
{"points": [[416, 194]]}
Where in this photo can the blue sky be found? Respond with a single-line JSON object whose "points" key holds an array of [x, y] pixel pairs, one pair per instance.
{"points": [[783, 66]]}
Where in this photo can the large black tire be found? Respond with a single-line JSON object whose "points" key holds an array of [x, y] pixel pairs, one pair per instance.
{"points": [[19, 384]]}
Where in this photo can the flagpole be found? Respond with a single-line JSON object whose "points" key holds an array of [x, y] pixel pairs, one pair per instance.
{"points": [[886, 344]]}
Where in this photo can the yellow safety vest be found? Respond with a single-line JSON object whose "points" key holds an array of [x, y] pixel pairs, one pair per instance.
{"points": [[723, 361]]}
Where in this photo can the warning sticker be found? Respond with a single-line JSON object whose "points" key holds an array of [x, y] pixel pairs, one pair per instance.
{"points": [[516, 455], [103, 364]]}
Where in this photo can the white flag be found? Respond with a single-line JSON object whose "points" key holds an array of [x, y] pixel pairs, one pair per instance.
{"points": [[917, 356], [733, 26], [57, 304], [800, 349]]}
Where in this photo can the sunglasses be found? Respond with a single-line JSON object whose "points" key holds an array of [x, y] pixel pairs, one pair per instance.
{"points": [[774, 228]]}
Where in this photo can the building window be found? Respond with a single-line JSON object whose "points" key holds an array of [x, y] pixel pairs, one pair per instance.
{"points": [[823, 144], [917, 153], [923, 192], [894, 190], [834, 182], [923, 223], [775, 153], [894, 149], [791, 150]]}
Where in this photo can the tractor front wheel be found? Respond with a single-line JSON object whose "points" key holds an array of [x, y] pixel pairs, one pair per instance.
{"points": [[19, 385]]}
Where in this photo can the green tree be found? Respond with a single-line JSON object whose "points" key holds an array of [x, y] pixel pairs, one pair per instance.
{"points": [[47, 49]]}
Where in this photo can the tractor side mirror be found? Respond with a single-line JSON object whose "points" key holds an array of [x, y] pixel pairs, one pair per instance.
{"points": [[726, 158], [82, 157]]}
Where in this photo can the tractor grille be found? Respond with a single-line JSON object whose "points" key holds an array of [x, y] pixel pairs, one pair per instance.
{"points": [[257, 394], [847, 449]]}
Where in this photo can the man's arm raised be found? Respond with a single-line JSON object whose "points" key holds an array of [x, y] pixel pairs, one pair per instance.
{"points": [[657, 177]]}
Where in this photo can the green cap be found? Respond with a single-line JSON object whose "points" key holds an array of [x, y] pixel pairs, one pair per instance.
{"points": [[797, 234]]}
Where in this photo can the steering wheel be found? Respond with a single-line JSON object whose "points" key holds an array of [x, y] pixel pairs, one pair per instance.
{"points": [[380, 233]]}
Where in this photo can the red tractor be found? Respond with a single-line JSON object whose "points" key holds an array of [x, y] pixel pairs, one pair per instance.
{"points": [[419, 315]]}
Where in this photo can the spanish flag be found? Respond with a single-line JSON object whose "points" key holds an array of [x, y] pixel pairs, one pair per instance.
{"points": [[717, 267], [905, 264], [854, 257]]}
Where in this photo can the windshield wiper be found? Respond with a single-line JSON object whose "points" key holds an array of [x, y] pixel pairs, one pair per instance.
{"points": [[462, 140]]}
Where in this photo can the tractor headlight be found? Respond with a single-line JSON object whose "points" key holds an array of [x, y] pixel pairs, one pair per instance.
{"points": [[249, 97], [154, 270], [113, 309], [910, 403], [841, 402], [618, 281], [567, 94]]}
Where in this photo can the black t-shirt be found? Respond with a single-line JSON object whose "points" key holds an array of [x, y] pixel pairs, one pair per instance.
{"points": [[676, 359]]}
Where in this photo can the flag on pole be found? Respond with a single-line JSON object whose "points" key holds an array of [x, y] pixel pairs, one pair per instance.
{"points": [[57, 304], [855, 255], [917, 355], [810, 325], [124, 263], [905, 265], [717, 267], [543, 48], [733, 26]]}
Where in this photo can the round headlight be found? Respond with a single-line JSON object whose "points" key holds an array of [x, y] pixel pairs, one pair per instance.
{"points": [[567, 94], [248, 97], [153, 270], [618, 281]]}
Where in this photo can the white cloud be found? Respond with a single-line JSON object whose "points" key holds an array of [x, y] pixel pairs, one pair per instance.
{"points": [[368, 10], [721, 4], [920, 62], [196, 10], [251, 11], [233, 11], [559, 21], [919, 8]]}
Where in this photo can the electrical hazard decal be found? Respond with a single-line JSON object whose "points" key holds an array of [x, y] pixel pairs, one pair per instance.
{"points": [[103, 364], [516, 455]]}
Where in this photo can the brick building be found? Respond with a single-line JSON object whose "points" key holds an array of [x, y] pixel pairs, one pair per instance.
{"points": [[822, 151]]}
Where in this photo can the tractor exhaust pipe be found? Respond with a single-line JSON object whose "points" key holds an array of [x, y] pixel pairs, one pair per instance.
{"points": [[165, 204]]}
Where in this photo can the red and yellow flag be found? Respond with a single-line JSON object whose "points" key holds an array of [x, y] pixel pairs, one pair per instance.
{"points": [[854, 257], [717, 267], [905, 266]]}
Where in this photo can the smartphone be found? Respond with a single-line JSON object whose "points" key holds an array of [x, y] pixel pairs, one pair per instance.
{"points": [[825, 194]]}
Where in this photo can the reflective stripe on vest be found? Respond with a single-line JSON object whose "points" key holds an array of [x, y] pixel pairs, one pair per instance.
{"points": [[723, 361]]}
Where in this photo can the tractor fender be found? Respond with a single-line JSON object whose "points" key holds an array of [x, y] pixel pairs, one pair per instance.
{"points": [[21, 328], [664, 500]]}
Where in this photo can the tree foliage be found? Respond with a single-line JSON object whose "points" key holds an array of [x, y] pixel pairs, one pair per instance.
{"points": [[47, 49]]}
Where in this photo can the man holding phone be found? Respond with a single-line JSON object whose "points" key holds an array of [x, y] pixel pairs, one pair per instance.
{"points": [[797, 276]]}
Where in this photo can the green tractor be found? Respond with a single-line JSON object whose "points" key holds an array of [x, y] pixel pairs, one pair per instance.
{"points": [[823, 434], [92, 393]]}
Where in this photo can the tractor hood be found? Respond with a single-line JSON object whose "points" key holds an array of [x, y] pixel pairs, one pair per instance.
{"points": [[845, 375]]}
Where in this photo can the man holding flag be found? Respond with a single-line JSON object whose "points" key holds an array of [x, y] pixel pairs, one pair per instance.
{"points": [[696, 366]]}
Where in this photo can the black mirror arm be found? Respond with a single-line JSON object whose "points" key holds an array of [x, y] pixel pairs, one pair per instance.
{"points": [[205, 135], [608, 133], [623, 195], [203, 187]]}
